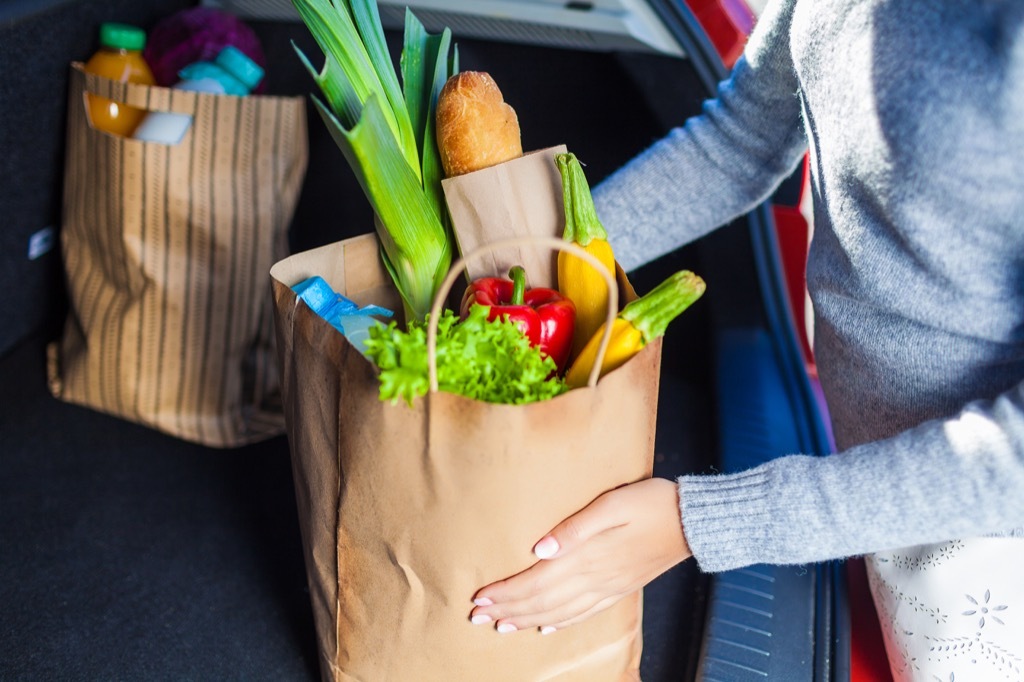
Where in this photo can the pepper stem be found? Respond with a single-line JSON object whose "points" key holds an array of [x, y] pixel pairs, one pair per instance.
{"points": [[518, 275], [581, 222], [652, 312]]}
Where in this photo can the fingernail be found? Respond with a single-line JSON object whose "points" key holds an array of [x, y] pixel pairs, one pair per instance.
{"points": [[480, 618], [547, 629], [506, 628], [483, 601], [546, 548]]}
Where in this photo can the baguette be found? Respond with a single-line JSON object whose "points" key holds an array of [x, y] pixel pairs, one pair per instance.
{"points": [[476, 128]]}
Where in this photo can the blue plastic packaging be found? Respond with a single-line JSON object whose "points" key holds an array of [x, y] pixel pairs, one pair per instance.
{"points": [[343, 314]]}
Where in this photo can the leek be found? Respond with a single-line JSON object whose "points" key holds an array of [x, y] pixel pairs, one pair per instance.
{"points": [[385, 130]]}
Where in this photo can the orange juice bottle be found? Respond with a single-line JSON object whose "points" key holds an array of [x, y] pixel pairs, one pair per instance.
{"points": [[119, 58]]}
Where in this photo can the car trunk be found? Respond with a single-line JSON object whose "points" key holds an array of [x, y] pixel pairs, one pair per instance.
{"points": [[129, 554]]}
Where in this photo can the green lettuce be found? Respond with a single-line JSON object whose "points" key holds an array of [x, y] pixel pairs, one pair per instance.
{"points": [[489, 361]]}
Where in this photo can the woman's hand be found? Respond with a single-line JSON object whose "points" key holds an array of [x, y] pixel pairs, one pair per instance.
{"points": [[611, 548]]}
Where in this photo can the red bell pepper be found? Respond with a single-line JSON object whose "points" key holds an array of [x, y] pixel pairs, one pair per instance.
{"points": [[546, 317]]}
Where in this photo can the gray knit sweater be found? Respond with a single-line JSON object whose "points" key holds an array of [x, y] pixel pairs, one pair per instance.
{"points": [[913, 114]]}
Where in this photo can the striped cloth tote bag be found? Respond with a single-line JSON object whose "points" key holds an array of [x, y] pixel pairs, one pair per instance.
{"points": [[166, 249]]}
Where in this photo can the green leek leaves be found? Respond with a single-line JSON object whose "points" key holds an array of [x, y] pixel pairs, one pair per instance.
{"points": [[386, 133]]}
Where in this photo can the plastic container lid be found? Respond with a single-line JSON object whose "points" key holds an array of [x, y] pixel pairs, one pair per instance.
{"points": [[122, 36], [235, 62], [236, 73]]}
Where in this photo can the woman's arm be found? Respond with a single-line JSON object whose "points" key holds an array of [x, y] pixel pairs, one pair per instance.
{"points": [[718, 165], [958, 477], [947, 478]]}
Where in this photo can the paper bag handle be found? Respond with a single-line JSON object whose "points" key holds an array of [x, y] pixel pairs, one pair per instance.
{"points": [[551, 242]]}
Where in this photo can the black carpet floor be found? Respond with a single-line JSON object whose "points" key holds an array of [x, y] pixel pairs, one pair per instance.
{"points": [[126, 554]]}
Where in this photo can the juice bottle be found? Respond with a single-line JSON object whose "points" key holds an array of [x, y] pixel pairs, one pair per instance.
{"points": [[119, 58]]}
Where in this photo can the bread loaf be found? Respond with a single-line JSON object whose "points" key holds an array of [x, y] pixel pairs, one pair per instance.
{"points": [[475, 127]]}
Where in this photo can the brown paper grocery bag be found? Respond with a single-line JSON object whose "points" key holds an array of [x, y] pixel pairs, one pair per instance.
{"points": [[521, 197], [166, 250], [406, 511]]}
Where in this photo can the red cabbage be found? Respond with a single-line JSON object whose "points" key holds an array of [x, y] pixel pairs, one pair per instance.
{"points": [[197, 34]]}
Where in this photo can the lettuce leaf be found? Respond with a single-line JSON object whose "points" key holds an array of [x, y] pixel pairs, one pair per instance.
{"points": [[488, 361]]}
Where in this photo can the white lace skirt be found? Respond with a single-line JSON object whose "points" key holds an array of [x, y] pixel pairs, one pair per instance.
{"points": [[952, 612]]}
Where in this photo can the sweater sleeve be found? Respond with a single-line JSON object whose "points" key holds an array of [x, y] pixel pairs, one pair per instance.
{"points": [[719, 164], [957, 477]]}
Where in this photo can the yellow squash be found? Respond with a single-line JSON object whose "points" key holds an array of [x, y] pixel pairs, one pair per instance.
{"points": [[639, 323], [577, 279]]}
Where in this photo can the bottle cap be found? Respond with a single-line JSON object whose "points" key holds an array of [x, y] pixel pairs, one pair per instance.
{"points": [[122, 36], [235, 62]]}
